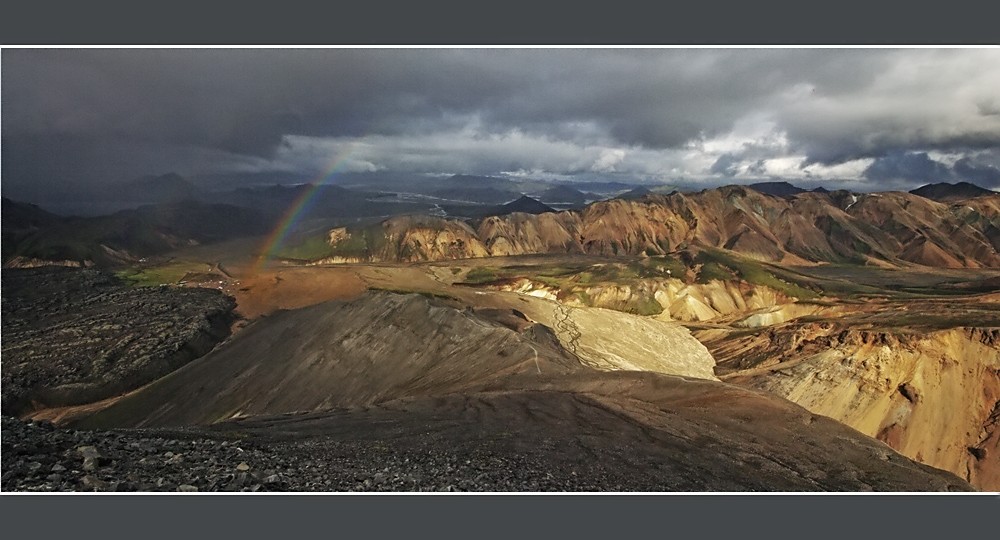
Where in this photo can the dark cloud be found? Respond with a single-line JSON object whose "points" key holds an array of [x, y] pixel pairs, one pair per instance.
{"points": [[908, 167], [982, 174], [905, 168], [95, 115], [758, 167], [245, 100], [725, 165]]}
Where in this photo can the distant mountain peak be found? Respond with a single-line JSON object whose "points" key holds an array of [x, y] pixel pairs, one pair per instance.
{"points": [[778, 189], [527, 205], [944, 191], [565, 194]]}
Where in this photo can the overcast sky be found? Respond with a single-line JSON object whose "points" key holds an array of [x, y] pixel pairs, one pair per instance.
{"points": [[865, 119]]}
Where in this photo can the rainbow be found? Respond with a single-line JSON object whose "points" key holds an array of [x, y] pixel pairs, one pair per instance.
{"points": [[295, 211]]}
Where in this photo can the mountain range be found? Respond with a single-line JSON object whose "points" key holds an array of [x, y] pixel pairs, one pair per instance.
{"points": [[34, 237], [888, 229], [937, 225]]}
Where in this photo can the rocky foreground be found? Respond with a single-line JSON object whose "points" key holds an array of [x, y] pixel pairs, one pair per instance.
{"points": [[40, 457], [608, 435]]}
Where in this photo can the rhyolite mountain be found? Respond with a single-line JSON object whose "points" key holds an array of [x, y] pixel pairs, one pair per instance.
{"points": [[962, 230], [892, 228]]}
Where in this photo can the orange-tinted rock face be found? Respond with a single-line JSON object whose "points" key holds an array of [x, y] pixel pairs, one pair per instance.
{"points": [[934, 396], [895, 228]]}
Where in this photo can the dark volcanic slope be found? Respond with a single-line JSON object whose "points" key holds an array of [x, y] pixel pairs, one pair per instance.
{"points": [[612, 432], [380, 347], [429, 395], [632, 431], [75, 336]]}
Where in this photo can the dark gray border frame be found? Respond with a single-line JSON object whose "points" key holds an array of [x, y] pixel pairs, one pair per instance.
{"points": [[461, 22], [499, 516], [377, 22]]}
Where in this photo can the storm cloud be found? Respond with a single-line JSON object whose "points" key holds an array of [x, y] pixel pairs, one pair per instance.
{"points": [[904, 166], [866, 117], [984, 174]]}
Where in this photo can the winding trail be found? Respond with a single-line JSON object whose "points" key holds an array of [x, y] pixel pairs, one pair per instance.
{"points": [[565, 326], [536, 359]]}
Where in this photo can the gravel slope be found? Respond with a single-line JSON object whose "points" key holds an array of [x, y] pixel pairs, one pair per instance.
{"points": [[611, 432]]}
